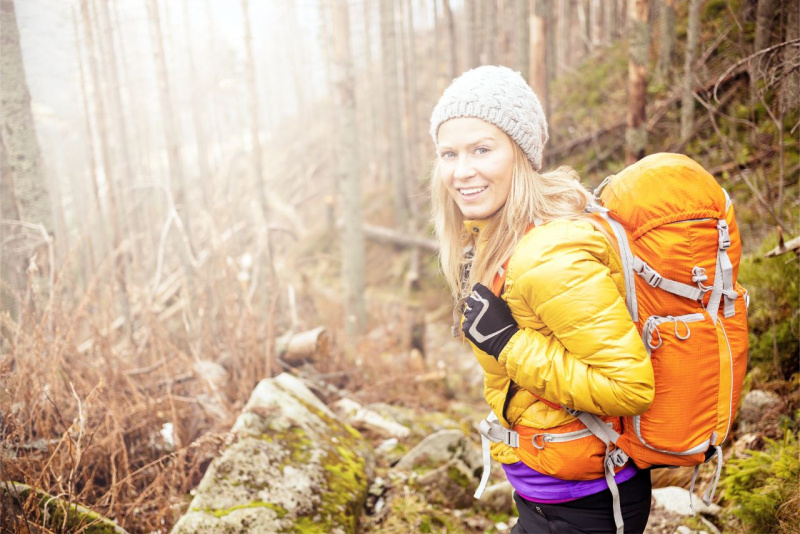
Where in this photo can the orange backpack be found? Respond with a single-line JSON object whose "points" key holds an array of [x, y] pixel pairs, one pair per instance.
{"points": [[678, 240]]}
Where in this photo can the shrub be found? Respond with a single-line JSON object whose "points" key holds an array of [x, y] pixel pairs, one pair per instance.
{"points": [[762, 490]]}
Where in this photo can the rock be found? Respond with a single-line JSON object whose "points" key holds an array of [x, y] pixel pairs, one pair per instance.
{"points": [[452, 484], [366, 419], [63, 516], [293, 466], [497, 498], [439, 448], [387, 445], [212, 372], [676, 500], [754, 406]]}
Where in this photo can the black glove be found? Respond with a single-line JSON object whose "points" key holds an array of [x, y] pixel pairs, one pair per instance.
{"points": [[487, 321]]}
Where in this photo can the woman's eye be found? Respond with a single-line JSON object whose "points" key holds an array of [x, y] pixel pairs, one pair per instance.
{"points": [[481, 150], [446, 155]]}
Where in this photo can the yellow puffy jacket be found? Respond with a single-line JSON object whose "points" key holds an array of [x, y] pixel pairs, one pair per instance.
{"points": [[577, 345]]}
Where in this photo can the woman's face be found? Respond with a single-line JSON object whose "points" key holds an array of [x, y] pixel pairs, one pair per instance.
{"points": [[476, 162]]}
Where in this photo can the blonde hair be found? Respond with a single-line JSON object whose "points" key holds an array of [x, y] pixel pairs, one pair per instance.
{"points": [[533, 196]]}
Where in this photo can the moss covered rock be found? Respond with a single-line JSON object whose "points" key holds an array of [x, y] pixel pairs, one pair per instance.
{"points": [[293, 467], [60, 515]]}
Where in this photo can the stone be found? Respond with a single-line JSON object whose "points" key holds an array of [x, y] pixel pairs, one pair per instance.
{"points": [[676, 500], [293, 466], [366, 419], [439, 448], [497, 498], [63, 515], [452, 484], [753, 408]]}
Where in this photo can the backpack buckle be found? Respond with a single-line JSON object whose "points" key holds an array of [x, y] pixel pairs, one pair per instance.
{"points": [[651, 276], [724, 235]]}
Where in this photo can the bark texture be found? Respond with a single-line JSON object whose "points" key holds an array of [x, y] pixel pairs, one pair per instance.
{"points": [[638, 48], [353, 270], [687, 98], [18, 130]]}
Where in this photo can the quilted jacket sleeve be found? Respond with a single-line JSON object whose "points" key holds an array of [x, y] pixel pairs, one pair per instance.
{"points": [[589, 356]]}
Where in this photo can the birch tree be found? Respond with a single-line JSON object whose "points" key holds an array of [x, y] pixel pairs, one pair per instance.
{"points": [[18, 130], [638, 49], [353, 235]]}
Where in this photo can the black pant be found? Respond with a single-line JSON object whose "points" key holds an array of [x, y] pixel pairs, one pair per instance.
{"points": [[591, 514]]}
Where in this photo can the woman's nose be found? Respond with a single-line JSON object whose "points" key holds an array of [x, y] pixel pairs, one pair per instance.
{"points": [[464, 168]]}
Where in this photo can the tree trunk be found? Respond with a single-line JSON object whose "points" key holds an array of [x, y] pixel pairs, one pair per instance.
{"points": [[396, 150], [18, 130], [638, 51], [765, 14], [791, 61], [538, 52], [687, 100], [489, 53], [564, 40], [666, 38], [521, 41], [472, 33], [253, 105], [353, 235], [11, 265], [171, 140], [451, 38], [198, 117]]}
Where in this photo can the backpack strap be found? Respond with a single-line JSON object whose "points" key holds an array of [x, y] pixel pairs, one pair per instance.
{"points": [[615, 457], [723, 277], [492, 432]]}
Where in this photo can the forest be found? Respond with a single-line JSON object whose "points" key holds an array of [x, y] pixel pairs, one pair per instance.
{"points": [[203, 199]]}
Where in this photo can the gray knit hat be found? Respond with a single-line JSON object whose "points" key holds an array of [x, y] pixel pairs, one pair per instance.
{"points": [[499, 96]]}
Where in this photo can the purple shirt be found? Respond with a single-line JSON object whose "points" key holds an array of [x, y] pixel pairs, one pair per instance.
{"points": [[534, 486]]}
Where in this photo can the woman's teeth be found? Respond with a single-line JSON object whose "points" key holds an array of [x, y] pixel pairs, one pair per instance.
{"points": [[471, 191]]}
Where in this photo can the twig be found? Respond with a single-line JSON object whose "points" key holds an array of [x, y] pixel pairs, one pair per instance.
{"points": [[748, 58], [149, 368]]}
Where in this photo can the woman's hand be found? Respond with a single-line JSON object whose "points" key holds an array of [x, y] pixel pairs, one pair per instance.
{"points": [[488, 322]]}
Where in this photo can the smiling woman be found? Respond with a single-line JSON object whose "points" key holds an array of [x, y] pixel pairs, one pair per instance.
{"points": [[477, 162], [553, 334]]}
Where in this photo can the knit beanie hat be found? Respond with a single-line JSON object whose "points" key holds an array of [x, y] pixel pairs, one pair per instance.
{"points": [[499, 96]]}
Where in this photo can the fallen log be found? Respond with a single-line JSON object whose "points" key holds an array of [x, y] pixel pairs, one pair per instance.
{"points": [[309, 345], [388, 236]]}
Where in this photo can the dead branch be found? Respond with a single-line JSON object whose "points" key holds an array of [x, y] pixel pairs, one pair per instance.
{"points": [[387, 236], [742, 62]]}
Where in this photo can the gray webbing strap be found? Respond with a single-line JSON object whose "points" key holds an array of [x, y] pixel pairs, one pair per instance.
{"points": [[614, 458], [626, 256], [723, 277], [492, 432], [708, 496], [691, 489], [654, 279]]}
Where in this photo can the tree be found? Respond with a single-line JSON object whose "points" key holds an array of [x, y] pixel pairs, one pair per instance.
{"points": [[666, 39], [451, 38], [396, 150], [350, 177], [522, 36], [765, 14], [538, 51], [18, 130], [253, 104], [638, 48], [687, 92]]}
